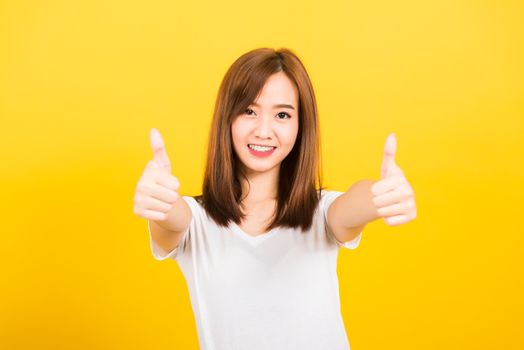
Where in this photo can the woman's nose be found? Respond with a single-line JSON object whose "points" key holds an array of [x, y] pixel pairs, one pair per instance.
{"points": [[263, 127]]}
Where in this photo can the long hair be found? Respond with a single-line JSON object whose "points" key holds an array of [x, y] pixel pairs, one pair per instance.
{"points": [[299, 171]]}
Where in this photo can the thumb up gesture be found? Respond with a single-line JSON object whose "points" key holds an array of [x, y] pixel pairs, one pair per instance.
{"points": [[157, 190], [392, 194]]}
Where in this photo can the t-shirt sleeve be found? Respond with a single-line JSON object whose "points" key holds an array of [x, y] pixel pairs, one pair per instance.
{"points": [[161, 254], [327, 198]]}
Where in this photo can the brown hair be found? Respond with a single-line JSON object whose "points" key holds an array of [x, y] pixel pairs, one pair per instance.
{"points": [[297, 194]]}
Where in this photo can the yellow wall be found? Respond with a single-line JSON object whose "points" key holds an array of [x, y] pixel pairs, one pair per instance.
{"points": [[82, 83]]}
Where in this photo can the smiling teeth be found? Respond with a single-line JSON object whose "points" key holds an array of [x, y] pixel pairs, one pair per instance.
{"points": [[260, 148]]}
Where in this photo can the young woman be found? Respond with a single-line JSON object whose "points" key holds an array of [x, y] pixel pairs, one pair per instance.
{"points": [[258, 248]]}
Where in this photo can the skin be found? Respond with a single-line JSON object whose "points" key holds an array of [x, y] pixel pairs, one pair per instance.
{"points": [[264, 123], [391, 197]]}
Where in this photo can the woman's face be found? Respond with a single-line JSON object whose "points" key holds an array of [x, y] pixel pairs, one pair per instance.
{"points": [[271, 120]]}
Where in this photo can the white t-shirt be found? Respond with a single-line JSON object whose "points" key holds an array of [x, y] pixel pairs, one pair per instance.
{"points": [[277, 291]]}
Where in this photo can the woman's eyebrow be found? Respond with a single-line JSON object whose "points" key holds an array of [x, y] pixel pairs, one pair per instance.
{"points": [[281, 105]]}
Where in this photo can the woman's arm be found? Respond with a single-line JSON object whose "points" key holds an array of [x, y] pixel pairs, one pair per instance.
{"points": [[352, 211], [391, 198], [169, 233]]}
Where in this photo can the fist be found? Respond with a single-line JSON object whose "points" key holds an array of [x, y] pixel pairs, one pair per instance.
{"points": [[393, 196], [157, 190]]}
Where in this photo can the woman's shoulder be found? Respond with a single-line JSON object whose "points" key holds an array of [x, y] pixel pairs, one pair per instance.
{"points": [[199, 199], [195, 203], [327, 197], [326, 193]]}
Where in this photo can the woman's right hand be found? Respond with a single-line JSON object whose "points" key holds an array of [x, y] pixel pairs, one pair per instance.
{"points": [[157, 190]]}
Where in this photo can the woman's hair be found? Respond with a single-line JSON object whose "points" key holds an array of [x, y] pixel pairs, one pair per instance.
{"points": [[297, 194]]}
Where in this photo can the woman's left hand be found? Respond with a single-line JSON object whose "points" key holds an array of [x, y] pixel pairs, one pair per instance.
{"points": [[393, 196]]}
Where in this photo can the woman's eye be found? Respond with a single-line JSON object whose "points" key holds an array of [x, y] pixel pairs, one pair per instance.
{"points": [[248, 111], [284, 114]]}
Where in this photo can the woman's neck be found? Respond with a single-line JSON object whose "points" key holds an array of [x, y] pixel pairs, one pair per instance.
{"points": [[263, 187]]}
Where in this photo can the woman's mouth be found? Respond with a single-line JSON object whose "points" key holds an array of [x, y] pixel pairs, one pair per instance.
{"points": [[261, 151]]}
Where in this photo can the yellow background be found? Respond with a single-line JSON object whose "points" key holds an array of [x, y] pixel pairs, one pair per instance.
{"points": [[82, 83]]}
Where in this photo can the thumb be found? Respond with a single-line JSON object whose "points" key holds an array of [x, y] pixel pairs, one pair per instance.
{"points": [[159, 150], [388, 163]]}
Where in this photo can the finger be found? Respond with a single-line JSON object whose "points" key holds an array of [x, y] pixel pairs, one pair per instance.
{"points": [[153, 165], [391, 197], [388, 161], [401, 208], [159, 192], [397, 220], [154, 215], [157, 205], [395, 170], [159, 150], [155, 172], [386, 185], [166, 180]]}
